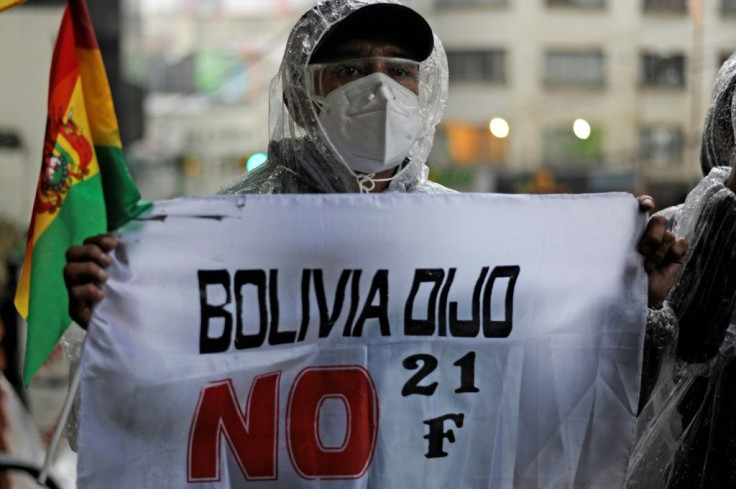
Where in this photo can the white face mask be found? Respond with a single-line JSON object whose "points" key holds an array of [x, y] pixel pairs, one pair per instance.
{"points": [[372, 122]]}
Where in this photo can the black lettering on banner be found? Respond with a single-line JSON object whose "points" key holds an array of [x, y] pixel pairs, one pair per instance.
{"points": [[423, 327], [207, 312], [354, 299], [379, 287], [256, 278], [500, 329], [442, 328], [468, 328], [467, 373], [429, 364], [276, 337], [437, 434], [328, 319], [306, 277]]}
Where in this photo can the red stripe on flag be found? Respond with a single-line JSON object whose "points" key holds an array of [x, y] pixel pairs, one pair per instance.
{"points": [[64, 63], [83, 30], [62, 78]]}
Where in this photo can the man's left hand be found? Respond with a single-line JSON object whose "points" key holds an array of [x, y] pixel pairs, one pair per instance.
{"points": [[663, 254]]}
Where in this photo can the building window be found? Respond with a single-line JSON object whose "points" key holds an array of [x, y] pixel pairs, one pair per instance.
{"points": [[728, 7], [662, 70], [661, 145], [472, 144], [677, 6], [577, 3], [465, 3], [563, 149], [574, 68], [483, 66]]}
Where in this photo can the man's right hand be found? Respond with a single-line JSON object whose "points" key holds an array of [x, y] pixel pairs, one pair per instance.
{"points": [[663, 254], [84, 273]]}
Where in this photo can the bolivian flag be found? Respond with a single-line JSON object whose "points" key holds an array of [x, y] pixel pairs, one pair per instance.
{"points": [[6, 4], [84, 187]]}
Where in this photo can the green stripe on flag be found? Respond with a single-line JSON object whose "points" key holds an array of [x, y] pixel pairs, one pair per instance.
{"points": [[82, 215], [122, 197]]}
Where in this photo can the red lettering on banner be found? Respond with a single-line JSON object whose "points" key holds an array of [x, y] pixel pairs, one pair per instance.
{"points": [[354, 386], [252, 434]]}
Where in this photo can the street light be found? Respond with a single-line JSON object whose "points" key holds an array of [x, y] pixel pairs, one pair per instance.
{"points": [[581, 128], [499, 127]]}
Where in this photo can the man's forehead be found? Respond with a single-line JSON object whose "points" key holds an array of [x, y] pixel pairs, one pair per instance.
{"points": [[365, 48]]}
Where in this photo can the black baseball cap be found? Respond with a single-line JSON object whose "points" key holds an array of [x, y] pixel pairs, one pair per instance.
{"points": [[387, 22]]}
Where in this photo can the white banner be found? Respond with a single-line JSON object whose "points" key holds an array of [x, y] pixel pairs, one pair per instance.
{"points": [[353, 341]]}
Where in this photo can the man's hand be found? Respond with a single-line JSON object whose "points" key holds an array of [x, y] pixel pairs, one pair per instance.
{"points": [[663, 254], [84, 273]]}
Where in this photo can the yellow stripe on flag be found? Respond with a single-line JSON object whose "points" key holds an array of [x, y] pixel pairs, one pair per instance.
{"points": [[104, 124], [6, 4], [23, 290]]}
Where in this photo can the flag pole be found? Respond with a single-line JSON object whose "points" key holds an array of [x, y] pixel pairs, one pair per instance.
{"points": [[65, 412]]}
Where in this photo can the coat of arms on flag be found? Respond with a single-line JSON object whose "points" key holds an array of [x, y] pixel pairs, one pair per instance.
{"points": [[66, 159]]}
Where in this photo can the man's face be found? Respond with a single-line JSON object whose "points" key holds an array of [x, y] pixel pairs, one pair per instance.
{"points": [[361, 57]]}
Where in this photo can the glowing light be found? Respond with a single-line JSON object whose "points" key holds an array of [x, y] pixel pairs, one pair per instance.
{"points": [[255, 160], [499, 127], [581, 128]]}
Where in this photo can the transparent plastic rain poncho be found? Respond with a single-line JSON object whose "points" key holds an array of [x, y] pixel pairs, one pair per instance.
{"points": [[686, 430], [300, 156]]}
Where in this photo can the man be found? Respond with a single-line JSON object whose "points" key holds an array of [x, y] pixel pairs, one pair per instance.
{"points": [[686, 428], [354, 107]]}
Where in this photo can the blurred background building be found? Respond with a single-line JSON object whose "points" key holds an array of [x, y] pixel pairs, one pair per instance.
{"points": [[545, 95], [578, 95]]}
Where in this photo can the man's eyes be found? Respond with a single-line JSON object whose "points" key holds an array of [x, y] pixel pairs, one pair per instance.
{"points": [[355, 71], [400, 72], [348, 71]]}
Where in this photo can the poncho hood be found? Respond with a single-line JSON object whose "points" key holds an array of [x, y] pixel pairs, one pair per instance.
{"points": [[300, 156], [719, 146]]}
